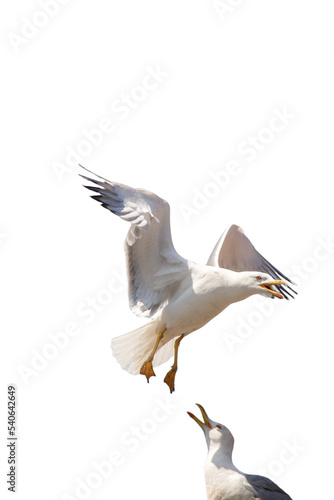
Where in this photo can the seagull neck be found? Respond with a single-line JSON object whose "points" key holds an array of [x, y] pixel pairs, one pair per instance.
{"points": [[220, 456], [234, 286]]}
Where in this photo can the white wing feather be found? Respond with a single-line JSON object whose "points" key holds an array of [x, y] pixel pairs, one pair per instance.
{"points": [[234, 251], [155, 269]]}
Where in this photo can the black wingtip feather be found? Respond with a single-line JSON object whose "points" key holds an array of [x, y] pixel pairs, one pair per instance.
{"points": [[96, 175], [99, 183], [97, 197], [277, 271], [94, 188], [284, 292]]}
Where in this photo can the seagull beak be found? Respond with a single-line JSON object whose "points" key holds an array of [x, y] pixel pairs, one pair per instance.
{"points": [[267, 287], [205, 418]]}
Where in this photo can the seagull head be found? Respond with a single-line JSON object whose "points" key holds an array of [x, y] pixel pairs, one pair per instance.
{"points": [[216, 434], [261, 283]]}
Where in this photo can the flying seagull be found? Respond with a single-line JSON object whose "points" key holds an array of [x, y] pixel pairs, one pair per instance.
{"points": [[223, 480], [178, 294]]}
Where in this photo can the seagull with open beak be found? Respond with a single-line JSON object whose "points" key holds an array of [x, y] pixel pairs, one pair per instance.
{"points": [[179, 295], [223, 480]]}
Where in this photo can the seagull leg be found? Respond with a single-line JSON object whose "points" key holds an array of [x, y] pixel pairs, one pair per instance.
{"points": [[170, 377], [147, 368]]}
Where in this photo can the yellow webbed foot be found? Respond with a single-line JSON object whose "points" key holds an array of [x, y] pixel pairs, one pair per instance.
{"points": [[170, 379], [147, 370]]}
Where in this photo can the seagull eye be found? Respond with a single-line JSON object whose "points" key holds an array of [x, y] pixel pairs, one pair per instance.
{"points": [[218, 426], [258, 278]]}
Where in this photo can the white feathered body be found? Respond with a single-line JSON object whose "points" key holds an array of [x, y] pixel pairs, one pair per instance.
{"points": [[202, 294], [231, 484], [177, 294], [225, 482]]}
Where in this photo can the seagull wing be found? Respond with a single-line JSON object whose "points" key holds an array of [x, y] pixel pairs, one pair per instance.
{"points": [[155, 269], [234, 251], [266, 488]]}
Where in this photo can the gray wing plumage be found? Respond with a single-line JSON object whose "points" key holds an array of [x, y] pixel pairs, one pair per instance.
{"points": [[155, 269], [266, 488], [234, 251]]}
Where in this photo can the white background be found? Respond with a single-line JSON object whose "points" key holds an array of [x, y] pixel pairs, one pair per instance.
{"points": [[224, 77]]}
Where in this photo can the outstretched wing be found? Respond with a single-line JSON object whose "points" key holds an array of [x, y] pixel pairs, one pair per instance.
{"points": [[234, 251], [155, 269], [266, 488]]}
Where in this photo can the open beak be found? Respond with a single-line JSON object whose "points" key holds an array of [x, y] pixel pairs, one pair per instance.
{"points": [[205, 418], [267, 287]]}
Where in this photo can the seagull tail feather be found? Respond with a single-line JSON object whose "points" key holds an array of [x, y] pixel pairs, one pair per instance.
{"points": [[132, 349]]}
